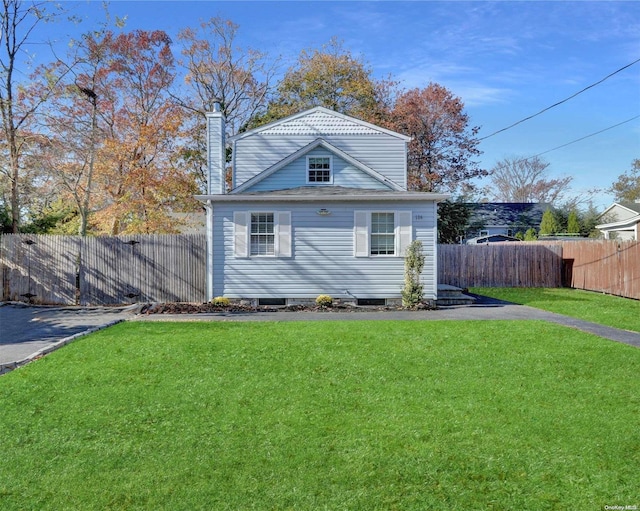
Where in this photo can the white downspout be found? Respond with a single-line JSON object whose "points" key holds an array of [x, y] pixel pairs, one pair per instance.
{"points": [[209, 265]]}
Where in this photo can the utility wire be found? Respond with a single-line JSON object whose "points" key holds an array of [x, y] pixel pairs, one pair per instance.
{"points": [[572, 142], [562, 101], [587, 136]]}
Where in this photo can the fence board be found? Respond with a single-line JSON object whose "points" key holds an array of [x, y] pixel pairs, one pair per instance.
{"points": [[144, 268], [41, 269], [168, 268], [606, 266], [500, 265]]}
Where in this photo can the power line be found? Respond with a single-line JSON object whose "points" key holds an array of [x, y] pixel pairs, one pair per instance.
{"points": [[587, 136], [562, 101], [572, 142]]}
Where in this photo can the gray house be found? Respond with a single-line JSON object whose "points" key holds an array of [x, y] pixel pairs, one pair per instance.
{"points": [[622, 221], [505, 219], [318, 205]]}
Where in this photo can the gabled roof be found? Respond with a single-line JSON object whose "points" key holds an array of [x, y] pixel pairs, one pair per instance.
{"points": [[506, 213], [308, 194], [306, 149], [319, 122], [629, 223], [633, 207]]}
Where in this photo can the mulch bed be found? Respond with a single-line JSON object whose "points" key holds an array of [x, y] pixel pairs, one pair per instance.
{"points": [[209, 308]]}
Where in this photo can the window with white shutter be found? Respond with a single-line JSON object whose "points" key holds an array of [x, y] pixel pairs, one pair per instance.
{"points": [[263, 233]]}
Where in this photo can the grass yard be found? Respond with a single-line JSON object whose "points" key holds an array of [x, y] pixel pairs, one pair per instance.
{"points": [[596, 307], [324, 416]]}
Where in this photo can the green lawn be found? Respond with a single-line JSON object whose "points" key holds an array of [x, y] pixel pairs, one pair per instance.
{"points": [[330, 415], [596, 307]]}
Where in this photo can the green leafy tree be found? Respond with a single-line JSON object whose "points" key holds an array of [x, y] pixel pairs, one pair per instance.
{"points": [[573, 223], [453, 217], [549, 224], [530, 235]]}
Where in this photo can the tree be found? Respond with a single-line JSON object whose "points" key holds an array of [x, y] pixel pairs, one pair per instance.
{"points": [[525, 180], [114, 135], [530, 235], [573, 223], [453, 217], [412, 292], [549, 224], [442, 146], [627, 186], [18, 101], [219, 71], [72, 121], [331, 77]]}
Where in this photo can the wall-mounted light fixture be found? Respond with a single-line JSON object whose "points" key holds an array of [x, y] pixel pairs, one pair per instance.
{"points": [[323, 212]]}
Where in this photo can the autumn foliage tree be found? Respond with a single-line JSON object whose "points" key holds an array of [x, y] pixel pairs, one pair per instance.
{"points": [[443, 144], [334, 78], [115, 133], [20, 99]]}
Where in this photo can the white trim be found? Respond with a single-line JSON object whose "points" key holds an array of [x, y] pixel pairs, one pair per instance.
{"points": [[307, 170], [367, 197]]}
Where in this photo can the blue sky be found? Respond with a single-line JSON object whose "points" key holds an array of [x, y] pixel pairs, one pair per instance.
{"points": [[506, 61]]}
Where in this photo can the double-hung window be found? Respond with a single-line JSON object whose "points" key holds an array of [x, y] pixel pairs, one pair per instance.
{"points": [[262, 234], [381, 233], [319, 169], [383, 238]]}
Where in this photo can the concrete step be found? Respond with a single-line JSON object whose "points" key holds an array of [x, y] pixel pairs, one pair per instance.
{"points": [[452, 295]]}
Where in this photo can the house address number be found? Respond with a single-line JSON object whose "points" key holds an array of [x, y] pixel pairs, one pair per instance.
{"points": [[417, 217]]}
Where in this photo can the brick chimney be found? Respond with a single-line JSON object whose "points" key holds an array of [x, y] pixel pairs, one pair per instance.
{"points": [[216, 153]]}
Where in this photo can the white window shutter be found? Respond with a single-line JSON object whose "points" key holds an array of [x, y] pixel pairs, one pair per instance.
{"points": [[240, 234], [403, 231], [283, 240], [361, 233]]}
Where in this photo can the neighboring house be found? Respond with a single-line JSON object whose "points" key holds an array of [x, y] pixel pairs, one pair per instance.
{"points": [[622, 221], [503, 218], [318, 205]]}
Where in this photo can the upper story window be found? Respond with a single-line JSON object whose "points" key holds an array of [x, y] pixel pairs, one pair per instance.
{"points": [[319, 169], [262, 234]]}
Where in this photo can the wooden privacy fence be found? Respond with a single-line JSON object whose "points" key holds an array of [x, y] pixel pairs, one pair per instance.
{"points": [[103, 270], [500, 265], [172, 268], [607, 266]]}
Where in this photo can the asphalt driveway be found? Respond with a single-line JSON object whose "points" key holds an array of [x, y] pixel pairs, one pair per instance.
{"points": [[27, 332]]}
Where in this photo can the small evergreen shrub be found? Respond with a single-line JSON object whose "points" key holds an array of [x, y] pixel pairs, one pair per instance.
{"points": [[412, 293], [220, 301], [324, 301]]}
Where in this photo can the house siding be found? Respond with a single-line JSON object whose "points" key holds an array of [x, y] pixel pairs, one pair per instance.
{"points": [[383, 153], [322, 254], [295, 174]]}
